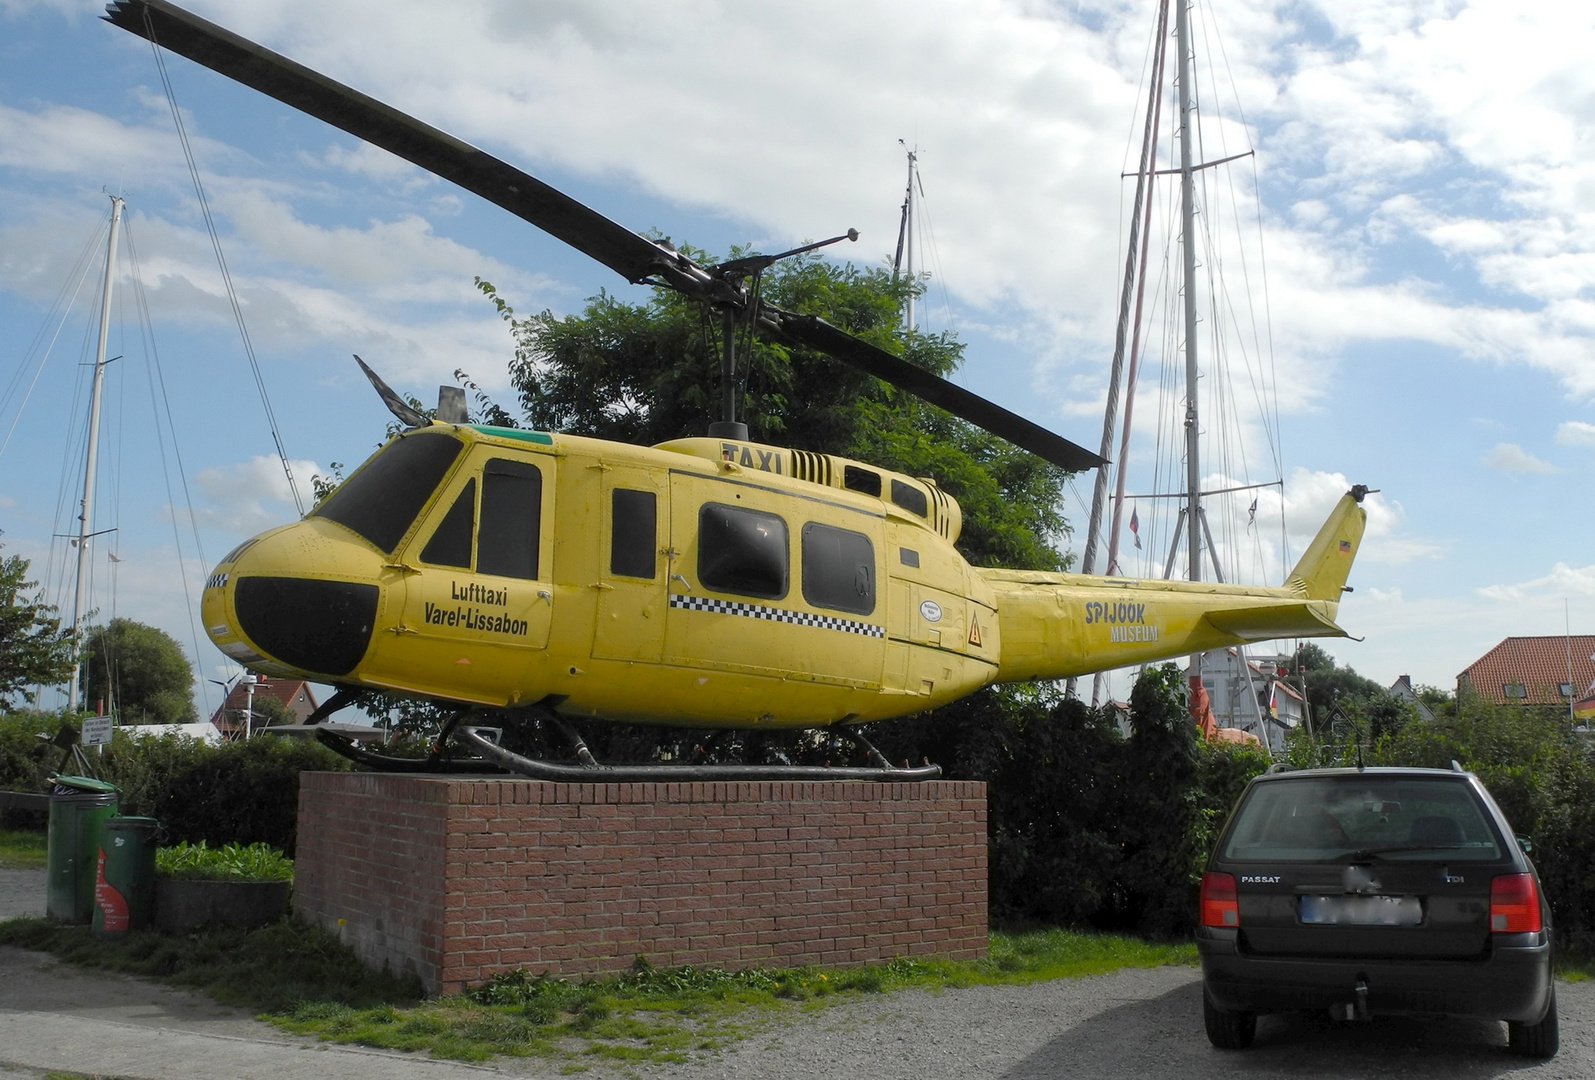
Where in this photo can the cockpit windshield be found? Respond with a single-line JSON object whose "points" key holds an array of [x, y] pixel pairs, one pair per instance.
{"points": [[381, 499]]}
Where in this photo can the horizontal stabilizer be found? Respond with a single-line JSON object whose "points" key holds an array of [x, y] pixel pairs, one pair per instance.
{"points": [[1276, 621]]}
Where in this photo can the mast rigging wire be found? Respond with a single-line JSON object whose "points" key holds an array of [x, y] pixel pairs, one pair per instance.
{"points": [[221, 261]]}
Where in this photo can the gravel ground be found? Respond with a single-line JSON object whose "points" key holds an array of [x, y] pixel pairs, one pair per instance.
{"points": [[21, 892], [1130, 1024]]}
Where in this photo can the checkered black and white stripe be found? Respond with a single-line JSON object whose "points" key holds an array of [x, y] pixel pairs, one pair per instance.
{"points": [[759, 611]]}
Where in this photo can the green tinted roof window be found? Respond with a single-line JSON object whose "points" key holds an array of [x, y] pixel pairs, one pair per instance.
{"points": [[542, 438]]}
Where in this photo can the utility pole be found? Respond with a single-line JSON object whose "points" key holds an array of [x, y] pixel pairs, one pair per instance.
{"points": [[86, 508]]}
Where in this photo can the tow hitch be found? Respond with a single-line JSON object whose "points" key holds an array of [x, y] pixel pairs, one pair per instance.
{"points": [[1356, 1008]]}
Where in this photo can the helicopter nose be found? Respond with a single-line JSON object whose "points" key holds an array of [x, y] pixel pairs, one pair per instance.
{"points": [[318, 626]]}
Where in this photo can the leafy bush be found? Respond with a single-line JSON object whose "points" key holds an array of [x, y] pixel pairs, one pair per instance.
{"points": [[230, 862], [1087, 826], [238, 792]]}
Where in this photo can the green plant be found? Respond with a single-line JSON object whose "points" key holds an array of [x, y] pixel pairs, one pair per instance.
{"points": [[230, 862]]}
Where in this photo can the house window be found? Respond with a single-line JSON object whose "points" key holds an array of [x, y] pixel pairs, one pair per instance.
{"points": [[742, 551], [512, 510], [1565, 689], [1515, 690], [634, 526], [838, 569]]}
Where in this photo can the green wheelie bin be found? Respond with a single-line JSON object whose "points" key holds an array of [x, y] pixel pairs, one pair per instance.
{"points": [[124, 886], [78, 806]]}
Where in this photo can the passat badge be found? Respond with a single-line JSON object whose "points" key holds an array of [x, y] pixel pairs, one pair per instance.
{"points": [[931, 610]]}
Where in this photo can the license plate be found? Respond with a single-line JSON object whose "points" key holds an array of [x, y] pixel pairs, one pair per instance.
{"points": [[1361, 910]]}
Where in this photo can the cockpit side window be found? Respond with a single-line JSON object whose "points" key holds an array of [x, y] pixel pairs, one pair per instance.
{"points": [[512, 511], [838, 569], [742, 551], [451, 542], [634, 528], [381, 500]]}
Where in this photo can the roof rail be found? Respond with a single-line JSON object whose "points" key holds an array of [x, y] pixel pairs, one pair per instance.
{"points": [[1277, 767]]}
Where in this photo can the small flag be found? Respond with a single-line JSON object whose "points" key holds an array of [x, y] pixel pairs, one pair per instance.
{"points": [[1251, 515], [1345, 547], [1135, 527]]}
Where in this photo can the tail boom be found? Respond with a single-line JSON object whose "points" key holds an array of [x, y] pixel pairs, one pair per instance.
{"points": [[1055, 626]]}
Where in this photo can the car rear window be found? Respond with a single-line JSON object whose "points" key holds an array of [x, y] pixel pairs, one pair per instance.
{"points": [[1326, 818]]}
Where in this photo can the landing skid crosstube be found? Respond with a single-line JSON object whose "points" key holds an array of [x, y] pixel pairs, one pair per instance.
{"points": [[491, 758]]}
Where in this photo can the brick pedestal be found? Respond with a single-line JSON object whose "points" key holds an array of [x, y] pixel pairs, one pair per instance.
{"points": [[456, 878]]}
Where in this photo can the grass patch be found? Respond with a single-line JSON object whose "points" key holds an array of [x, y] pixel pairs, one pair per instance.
{"points": [[304, 981], [22, 848]]}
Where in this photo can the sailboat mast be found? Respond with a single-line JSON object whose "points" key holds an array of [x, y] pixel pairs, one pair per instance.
{"points": [[1193, 470], [86, 512]]}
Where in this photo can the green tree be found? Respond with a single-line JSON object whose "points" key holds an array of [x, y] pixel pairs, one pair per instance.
{"points": [[139, 672], [647, 373], [34, 648]]}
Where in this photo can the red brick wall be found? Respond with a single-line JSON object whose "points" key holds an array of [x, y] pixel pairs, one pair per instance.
{"points": [[456, 878]]}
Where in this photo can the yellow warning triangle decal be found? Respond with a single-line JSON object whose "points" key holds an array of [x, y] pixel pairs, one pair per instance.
{"points": [[974, 631]]}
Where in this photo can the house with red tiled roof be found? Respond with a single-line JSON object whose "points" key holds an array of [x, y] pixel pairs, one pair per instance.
{"points": [[1551, 670], [293, 694]]}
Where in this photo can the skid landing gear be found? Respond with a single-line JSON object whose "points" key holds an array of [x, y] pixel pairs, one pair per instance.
{"points": [[490, 758]]}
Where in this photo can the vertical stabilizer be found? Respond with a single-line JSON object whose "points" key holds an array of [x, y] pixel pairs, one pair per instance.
{"points": [[1321, 573]]}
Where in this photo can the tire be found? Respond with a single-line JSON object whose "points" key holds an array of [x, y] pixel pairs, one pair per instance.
{"points": [[1540, 1040], [1234, 1030]]}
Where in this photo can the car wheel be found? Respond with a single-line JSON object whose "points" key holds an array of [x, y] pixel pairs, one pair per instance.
{"points": [[1230, 1029], [1540, 1040]]}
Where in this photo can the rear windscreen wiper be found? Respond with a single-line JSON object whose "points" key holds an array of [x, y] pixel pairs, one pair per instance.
{"points": [[1370, 853]]}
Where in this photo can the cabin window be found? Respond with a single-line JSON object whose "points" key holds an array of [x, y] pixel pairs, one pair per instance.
{"points": [[838, 569], [908, 556], [451, 543], [742, 551], [381, 500], [512, 505], [910, 498], [864, 481], [633, 536]]}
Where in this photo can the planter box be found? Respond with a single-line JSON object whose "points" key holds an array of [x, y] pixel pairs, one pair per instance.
{"points": [[181, 905]]}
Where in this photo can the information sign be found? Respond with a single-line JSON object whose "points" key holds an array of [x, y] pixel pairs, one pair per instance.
{"points": [[97, 731]]}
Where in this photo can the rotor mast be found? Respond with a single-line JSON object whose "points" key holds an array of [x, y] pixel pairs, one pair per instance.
{"points": [[91, 458]]}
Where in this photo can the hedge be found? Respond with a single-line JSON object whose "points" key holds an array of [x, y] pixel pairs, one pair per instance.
{"points": [[243, 792]]}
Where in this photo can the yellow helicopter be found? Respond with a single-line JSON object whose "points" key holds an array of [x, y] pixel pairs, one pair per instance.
{"points": [[715, 582]]}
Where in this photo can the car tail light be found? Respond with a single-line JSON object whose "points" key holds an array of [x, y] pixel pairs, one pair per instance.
{"points": [[1219, 906], [1514, 904]]}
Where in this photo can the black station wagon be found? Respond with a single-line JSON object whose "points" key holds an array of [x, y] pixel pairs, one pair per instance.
{"points": [[1374, 891]]}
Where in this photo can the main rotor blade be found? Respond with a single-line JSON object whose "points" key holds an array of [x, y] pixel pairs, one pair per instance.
{"points": [[396, 404], [628, 254], [816, 333], [634, 257]]}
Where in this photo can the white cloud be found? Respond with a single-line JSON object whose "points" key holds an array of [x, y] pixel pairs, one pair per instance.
{"points": [[1563, 580], [252, 496], [1575, 433], [1512, 458]]}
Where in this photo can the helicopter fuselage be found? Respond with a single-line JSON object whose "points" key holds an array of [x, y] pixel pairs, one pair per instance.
{"points": [[700, 582]]}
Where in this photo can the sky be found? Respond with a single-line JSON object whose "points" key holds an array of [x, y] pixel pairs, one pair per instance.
{"points": [[1407, 304]]}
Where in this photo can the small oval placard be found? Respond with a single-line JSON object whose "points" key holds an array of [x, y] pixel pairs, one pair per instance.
{"points": [[931, 610]]}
